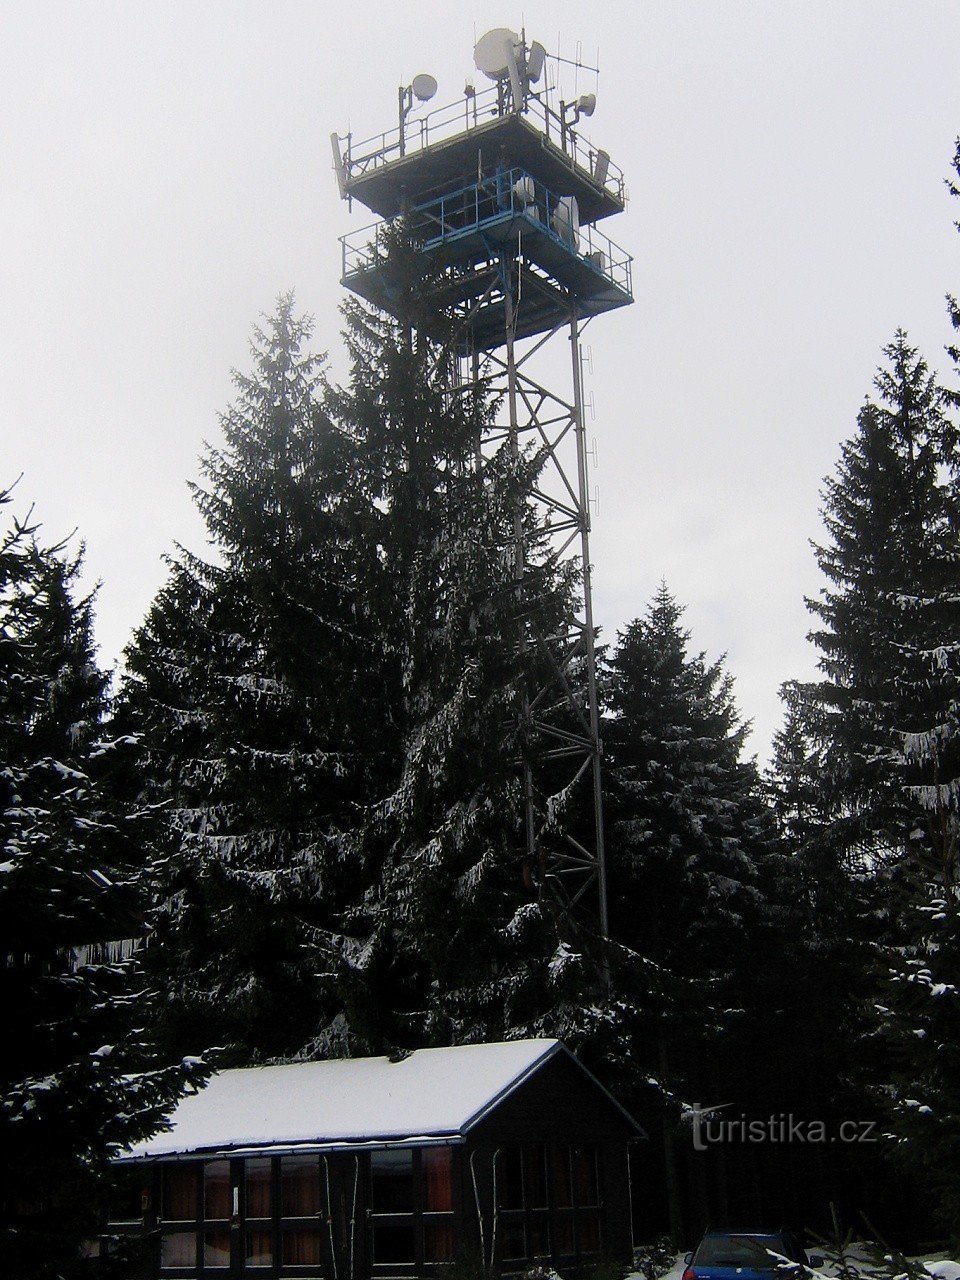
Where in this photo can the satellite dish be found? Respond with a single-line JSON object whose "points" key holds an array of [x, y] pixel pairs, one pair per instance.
{"points": [[535, 60], [587, 104], [494, 53], [424, 87]]}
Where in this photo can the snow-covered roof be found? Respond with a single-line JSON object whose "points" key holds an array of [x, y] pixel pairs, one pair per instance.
{"points": [[431, 1094]]}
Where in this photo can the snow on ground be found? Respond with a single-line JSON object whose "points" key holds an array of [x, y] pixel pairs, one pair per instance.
{"points": [[937, 1264], [943, 1267]]}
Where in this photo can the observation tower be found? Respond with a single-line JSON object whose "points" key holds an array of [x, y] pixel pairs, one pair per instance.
{"points": [[506, 197]]}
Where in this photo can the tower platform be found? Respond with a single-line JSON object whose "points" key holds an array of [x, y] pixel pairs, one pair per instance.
{"points": [[563, 270], [448, 147]]}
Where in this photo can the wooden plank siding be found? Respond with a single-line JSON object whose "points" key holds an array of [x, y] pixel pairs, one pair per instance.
{"points": [[544, 1169]]}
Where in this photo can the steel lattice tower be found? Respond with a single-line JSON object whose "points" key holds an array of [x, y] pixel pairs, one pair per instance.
{"points": [[503, 194]]}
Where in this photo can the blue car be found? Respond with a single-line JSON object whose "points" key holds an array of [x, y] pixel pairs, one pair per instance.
{"points": [[746, 1255]]}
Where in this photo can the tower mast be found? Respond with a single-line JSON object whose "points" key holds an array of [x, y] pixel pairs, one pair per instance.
{"points": [[504, 196]]}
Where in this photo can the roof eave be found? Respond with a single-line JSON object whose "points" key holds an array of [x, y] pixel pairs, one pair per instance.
{"points": [[307, 1147]]}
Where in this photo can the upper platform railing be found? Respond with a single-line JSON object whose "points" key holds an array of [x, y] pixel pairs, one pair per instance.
{"points": [[359, 159], [502, 200]]}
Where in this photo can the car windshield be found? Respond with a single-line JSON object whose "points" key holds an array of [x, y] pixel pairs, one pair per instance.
{"points": [[738, 1251]]}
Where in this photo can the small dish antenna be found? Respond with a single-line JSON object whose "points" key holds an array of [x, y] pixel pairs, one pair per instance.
{"points": [[586, 104], [421, 87], [424, 87]]}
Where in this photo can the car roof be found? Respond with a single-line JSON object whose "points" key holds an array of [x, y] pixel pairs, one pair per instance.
{"points": [[729, 1231]]}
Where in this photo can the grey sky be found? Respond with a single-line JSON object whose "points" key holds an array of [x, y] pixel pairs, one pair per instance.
{"points": [[166, 173]]}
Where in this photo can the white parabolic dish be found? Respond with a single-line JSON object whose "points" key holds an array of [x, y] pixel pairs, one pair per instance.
{"points": [[424, 87], [494, 52]]}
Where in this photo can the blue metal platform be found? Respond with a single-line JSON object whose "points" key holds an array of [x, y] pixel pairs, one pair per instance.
{"points": [[563, 270]]}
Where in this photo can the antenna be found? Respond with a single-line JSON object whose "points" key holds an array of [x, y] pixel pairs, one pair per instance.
{"points": [[536, 56], [494, 52], [496, 55], [424, 87]]}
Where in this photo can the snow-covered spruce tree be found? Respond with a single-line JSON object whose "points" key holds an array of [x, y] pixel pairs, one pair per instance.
{"points": [[332, 709], [688, 823], [891, 563], [79, 1076], [691, 862], [827, 981], [881, 858], [920, 1002], [460, 943], [828, 957], [259, 707]]}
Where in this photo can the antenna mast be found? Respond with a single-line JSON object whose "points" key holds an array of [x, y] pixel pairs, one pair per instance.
{"points": [[506, 195]]}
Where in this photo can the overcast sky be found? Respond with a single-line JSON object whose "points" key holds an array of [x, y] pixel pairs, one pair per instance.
{"points": [[165, 173]]}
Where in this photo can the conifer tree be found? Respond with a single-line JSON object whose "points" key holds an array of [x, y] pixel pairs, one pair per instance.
{"points": [[686, 816], [255, 722], [692, 865], [889, 562], [919, 1004], [878, 777], [80, 1077], [332, 712]]}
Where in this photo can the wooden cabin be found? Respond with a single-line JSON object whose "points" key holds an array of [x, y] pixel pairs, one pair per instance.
{"points": [[503, 1155]]}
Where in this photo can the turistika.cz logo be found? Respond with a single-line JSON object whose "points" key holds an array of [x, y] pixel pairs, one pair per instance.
{"points": [[710, 1129]]}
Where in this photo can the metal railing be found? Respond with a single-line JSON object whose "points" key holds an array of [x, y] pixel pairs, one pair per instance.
{"points": [[504, 196], [413, 136]]}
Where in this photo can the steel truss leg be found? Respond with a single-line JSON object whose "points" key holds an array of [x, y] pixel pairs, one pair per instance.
{"points": [[561, 717]]}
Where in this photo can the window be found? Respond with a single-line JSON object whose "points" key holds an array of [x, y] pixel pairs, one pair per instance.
{"points": [[301, 1204], [576, 1197], [412, 1200], [523, 1203], [436, 1164], [391, 1181], [129, 1197], [509, 1177], [217, 1204], [583, 1162], [508, 1170], [537, 1177], [392, 1207], [178, 1201], [538, 1201], [548, 1203], [179, 1209], [258, 1211]]}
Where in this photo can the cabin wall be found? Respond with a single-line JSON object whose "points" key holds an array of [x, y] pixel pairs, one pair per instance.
{"points": [[560, 1120], [542, 1178]]}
